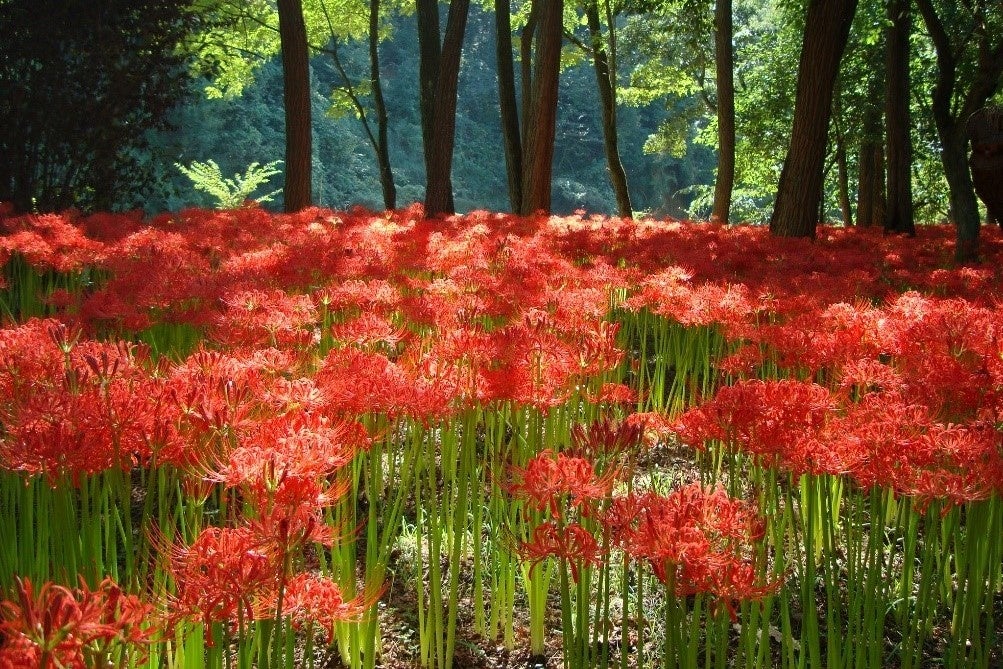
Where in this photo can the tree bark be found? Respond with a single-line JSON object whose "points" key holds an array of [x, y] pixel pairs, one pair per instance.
{"points": [[799, 193], [843, 180], [964, 205], [950, 117], [541, 106], [870, 184], [871, 161], [296, 96], [985, 130], [380, 107], [429, 51], [899, 214], [507, 103], [724, 54], [438, 177], [606, 85]]}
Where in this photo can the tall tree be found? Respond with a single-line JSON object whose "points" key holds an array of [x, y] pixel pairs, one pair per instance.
{"points": [[379, 140], [724, 54], [605, 66], [252, 36], [382, 144], [296, 96], [842, 173], [439, 71], [968, 41], [899, 214], [871, 149], [541, 64], [81, 85], [799, 194], [508, 106], [985, 130]]}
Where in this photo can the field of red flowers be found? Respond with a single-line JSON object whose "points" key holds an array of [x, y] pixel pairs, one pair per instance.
{"points": [[233, 439]]}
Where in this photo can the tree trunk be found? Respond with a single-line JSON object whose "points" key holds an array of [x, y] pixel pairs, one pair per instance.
{"points": [[541, 106], [429, 50], [799, 193], [296, 96], [380, 107], [870, 185], [843, 179], [438, 178], [871, 162], [724, 54], [985, 130], [507, 103], [950, 119], [606, 85], [964, 205], [899, 214]]}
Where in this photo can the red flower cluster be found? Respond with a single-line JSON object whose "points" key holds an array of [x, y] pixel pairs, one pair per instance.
{"points": [[315, 322], [883, 439], [697, 541], [69, 629], [549, 481]]}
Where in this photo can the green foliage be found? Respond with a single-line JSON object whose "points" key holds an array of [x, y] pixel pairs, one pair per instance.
{"points": [[81, 86], [231, 193], [671, 136], [238, 130]]}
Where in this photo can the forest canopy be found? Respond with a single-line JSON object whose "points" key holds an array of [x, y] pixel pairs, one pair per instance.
{"points": [[685, 108]]}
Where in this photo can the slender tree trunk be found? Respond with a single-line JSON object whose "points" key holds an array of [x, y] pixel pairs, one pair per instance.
{"points": [[799, 193], [380, 107], [964, 205], [899, 215], [871, 185], [526, 70], [724, 54], [985, 130], [871, 161], [950, 119], [296, 96], [439, 183], [541, 106], [429, 50], [507, 103], [843, 179], [606, 83]]}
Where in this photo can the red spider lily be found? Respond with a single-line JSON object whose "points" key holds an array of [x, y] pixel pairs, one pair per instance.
{"points": [[356, 383], [696, 541], [59, 627], [572, 543], [459, 362], [597, 347], [311, 599], [898, 445], [369, 331], [548, 479], [767, 419], [296, 445], [342, 296], [50, 241], [606, 439], [266, 318], [73, 407], [615, 394], [220, 575]]}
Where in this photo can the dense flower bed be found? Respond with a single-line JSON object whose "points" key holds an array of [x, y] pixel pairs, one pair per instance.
{"points": [[236, 416]]}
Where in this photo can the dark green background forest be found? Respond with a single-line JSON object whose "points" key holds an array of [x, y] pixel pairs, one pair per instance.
{"points": [[106, 102], [239, 130]]}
